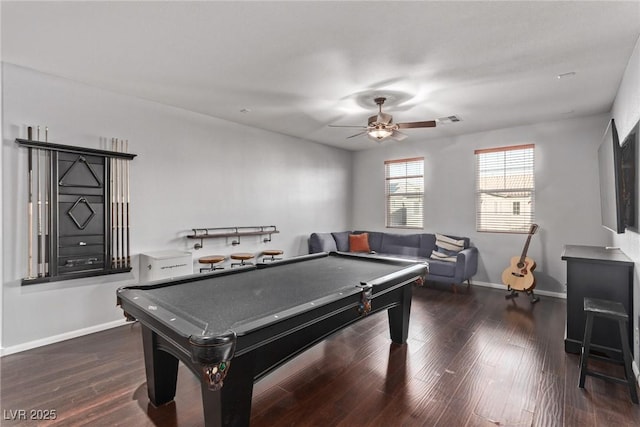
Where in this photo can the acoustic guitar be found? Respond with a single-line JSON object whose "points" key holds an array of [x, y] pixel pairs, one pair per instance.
{"points": [[519, 275]]}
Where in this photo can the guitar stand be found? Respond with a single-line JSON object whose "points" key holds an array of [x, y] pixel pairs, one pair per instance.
{"points": [[514, 294]]}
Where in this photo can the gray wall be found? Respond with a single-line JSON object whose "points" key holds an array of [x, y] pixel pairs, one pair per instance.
{"points": [[626, 112], [191, 171], [567, 192]]}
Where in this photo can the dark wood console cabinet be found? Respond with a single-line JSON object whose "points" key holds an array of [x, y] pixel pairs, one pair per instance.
{"points": [[598, 272]]}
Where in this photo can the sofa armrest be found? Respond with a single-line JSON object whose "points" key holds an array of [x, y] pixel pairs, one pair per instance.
{"points": [[466, 263], [322, 242]]}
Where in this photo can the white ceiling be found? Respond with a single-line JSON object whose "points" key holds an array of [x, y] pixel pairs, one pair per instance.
{"points": [[300, 66]]}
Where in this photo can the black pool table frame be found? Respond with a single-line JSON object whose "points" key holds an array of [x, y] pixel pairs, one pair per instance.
{"points": [[229, 363]]}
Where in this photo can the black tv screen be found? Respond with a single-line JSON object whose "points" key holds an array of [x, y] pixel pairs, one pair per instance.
{"points": [[629, 178], [617, 166]]}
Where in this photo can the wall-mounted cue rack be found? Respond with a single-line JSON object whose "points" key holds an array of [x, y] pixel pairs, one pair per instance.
{"points": [[78, 211]]}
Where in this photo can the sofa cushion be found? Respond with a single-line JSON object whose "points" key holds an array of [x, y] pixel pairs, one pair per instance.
{"points": [[447, 248], [427, 244], [321, 242], [441, 268], [359, 242], [375, 239], [342, 240], [392, 241]]}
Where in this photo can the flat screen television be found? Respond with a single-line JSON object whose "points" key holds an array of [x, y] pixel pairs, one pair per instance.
{"points": [[617, 170]]}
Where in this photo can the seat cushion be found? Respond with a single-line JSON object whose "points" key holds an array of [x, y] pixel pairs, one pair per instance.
{"points": [[441, 268]]}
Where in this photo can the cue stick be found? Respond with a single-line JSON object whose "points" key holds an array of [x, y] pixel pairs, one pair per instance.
{"points": [[113, 204], [47, 187], [39, 207], [122, 228], [126, 149], [30, 209], [117, 212]]}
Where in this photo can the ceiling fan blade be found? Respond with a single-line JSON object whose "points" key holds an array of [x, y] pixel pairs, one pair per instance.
{"points": [[357, 134], [398, 136], [427, 124], [347, 126]]}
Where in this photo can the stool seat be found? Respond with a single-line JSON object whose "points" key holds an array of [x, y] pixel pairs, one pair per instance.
{"points": [[211, 260], [242, 257], [605, 308], [272, 253], [594, 307]]}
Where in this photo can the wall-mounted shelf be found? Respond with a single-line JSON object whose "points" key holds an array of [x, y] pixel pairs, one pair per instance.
{"points": [[235, 232]]}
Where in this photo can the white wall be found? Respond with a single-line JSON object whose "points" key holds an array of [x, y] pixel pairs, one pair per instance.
{"points": [[626, 112], [191, 171], [567, 192]]}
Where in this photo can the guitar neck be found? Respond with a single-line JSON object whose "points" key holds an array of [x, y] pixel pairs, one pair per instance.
{"points": [[525, 249]]}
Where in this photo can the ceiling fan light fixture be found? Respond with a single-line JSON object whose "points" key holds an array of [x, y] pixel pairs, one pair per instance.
{"points": [[380, 133]]}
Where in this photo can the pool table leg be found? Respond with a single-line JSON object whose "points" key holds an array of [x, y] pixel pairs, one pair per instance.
{"points": [[399, 317], [231, 405], [161, 368]]}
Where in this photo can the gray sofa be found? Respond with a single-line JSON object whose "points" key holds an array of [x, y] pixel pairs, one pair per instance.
{"points": [[409, 246]]}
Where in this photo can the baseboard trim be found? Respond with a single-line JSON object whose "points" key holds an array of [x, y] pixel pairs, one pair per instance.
{"points": [[61, 337], [560, 295]]}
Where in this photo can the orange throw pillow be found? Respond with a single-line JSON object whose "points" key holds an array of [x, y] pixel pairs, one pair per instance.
{"points": [[359, 242]]}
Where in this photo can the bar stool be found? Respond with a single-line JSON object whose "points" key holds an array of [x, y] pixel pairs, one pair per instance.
{"points": [[212, 260], [272, 253], [594, 307], [242, 257]]}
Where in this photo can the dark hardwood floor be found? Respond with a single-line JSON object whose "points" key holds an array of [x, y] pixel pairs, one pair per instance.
{"points": [[473, 359]]}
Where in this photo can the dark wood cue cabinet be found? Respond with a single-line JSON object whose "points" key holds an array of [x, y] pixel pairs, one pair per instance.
{"points": [[598, 272], [79, 215]]}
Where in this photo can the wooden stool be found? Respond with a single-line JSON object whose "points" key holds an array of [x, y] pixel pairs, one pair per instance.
{"points": [[242, 257], [615, 311], [211, 260], [272, 253]]}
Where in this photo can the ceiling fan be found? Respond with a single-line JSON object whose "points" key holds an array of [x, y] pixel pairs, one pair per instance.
{"points": [[381, 126]]}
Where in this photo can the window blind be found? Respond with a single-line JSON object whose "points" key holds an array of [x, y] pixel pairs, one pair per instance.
{"points": [[505, 189], [404, 192]]}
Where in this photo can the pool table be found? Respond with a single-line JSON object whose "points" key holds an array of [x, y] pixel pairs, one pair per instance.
{"points": [[232, 327]]}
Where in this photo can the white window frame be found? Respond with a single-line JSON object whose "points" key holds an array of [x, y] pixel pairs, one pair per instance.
{"points": [[412, 180], [505, 175]]}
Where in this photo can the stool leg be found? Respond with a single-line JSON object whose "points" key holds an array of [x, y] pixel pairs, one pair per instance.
{"points": [[626, 353], [586, 344]]}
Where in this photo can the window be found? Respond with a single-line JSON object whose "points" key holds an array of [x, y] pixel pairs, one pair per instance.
{"points": [[516, 208], [505, 189], [404, 192]]}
